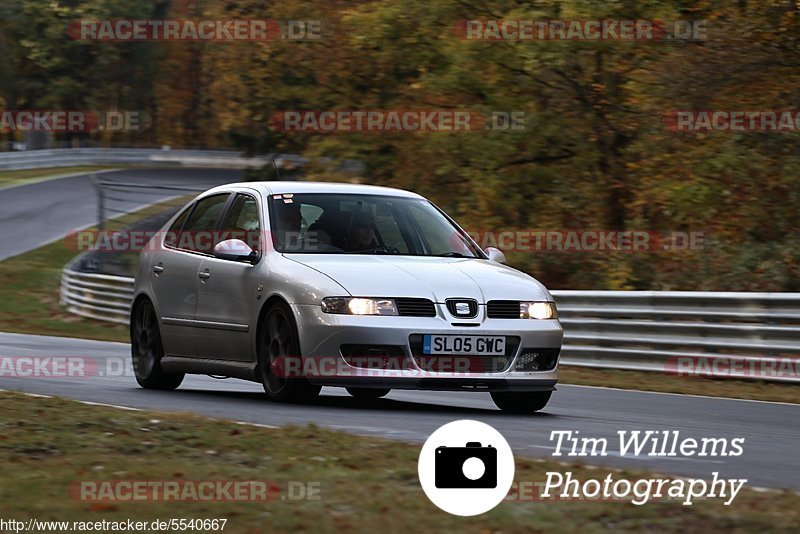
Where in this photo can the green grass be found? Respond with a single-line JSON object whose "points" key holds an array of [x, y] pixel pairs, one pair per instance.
{"points": [[366, 484], [692, 385], [9, 178], [29, 298]]}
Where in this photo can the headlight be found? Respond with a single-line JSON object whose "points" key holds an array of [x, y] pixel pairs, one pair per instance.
{"points": [[359, 306], [538, 310]]}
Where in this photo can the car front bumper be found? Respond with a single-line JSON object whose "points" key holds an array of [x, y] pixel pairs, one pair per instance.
{"points": [[323, 335]]}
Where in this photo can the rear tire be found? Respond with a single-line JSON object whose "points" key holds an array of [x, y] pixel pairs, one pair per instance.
{"points": [[147, 350], [278, 341], [367, 393], [522, 402]]}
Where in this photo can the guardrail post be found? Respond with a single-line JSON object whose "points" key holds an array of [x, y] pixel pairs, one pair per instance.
{"points": [[100, 202], [101, 222]]}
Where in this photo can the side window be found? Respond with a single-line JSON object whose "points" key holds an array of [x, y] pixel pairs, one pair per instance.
{"points": [[242, 221], [171, 239], [198, 232]]}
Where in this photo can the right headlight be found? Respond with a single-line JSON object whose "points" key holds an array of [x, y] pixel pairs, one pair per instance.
{"points": [[538, 310], [359, 306]]}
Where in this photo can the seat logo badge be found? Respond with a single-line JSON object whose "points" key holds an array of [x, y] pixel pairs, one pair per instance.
{"points": [[462, 308]]}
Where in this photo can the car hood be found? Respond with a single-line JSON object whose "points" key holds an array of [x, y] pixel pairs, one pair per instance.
{"points": [[434, 278]]}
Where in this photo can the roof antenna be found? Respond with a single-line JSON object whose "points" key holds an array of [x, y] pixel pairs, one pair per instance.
{"points": [[276, 169]]}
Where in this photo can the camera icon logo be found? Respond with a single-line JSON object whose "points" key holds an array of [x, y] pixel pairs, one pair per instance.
{"points": [[461, 475], [472, 466]]}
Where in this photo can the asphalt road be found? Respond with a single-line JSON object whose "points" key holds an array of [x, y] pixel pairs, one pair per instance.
{"points": [[771, 430], [32, 215]]}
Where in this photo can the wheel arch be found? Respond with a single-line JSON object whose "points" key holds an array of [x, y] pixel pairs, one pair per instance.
{"points": [[268, 304], [139, 298]]}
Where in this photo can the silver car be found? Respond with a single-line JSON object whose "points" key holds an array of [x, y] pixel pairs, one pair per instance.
{"points": [[299, 285]]}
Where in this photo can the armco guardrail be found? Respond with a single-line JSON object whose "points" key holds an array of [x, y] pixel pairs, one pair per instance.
{"points": [[635, 330], [97, 296], [741, 333], [69, 157]]}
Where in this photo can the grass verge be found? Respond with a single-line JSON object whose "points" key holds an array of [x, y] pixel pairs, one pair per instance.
{"points": [[365, 484], [691, 385], [9, 178], [29, 298]]}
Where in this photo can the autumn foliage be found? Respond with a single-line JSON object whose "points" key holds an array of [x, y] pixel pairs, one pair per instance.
{"points": [[595, 152]]}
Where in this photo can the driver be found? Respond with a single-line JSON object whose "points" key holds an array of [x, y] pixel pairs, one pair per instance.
{"points": [[288, 225], [362, 232]]}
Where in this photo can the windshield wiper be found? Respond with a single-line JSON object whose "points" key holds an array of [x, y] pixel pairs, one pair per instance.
{"points": [[369, 251], [451, 255]]}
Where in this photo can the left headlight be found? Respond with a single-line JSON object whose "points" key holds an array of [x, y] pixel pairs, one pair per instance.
{"points": [[538, 310], [359, 305]]}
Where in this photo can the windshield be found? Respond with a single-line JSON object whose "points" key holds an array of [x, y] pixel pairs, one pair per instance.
{"points": [[365, 224]]}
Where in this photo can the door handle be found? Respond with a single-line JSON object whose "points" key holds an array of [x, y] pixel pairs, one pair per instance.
{"points": [[158, 269], [204, 275]]}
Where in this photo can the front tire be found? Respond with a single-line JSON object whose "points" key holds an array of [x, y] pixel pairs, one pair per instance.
{"points": [[522, 402], [368, 393], [278, 343], [147, 350]]}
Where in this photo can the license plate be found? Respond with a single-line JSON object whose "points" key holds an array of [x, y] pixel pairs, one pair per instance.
{"points": [[475, 345]]}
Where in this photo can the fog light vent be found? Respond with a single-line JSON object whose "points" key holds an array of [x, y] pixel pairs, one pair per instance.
{"points": [[537, 360]]}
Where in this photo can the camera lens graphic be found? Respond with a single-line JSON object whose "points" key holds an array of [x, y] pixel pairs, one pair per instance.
{"points": [[464, 476], [473, 468]]}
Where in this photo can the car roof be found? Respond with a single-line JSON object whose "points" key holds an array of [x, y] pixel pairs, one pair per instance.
{"points": [[270, 188]]}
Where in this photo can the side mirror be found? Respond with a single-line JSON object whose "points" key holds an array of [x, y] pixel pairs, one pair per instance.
{"points": [[234, 250], [495, 254]]}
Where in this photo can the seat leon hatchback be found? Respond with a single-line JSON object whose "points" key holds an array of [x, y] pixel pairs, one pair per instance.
{"points": [[299, 285]]}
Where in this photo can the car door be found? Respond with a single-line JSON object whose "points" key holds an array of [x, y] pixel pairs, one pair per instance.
{"points": [[175, 271], [229, 291]]}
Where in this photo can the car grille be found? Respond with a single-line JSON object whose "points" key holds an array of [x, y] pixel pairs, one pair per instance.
{"points": [[473, 308], [448, 363], [413, 307], [502, 309]]}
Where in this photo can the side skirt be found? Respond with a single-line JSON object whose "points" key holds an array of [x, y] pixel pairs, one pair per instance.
{"points": [[200, 366]]}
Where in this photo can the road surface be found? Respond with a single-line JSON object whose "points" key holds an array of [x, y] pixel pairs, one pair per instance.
{"points": [[34, 214]]}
